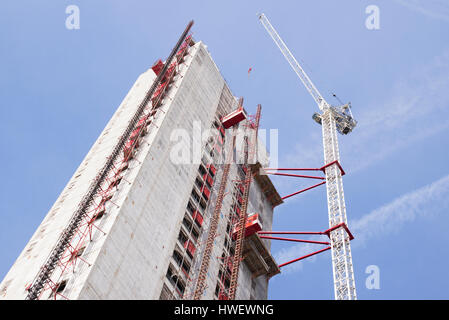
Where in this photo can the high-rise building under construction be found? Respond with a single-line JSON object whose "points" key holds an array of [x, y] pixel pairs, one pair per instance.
{"points": [[139, 217]]}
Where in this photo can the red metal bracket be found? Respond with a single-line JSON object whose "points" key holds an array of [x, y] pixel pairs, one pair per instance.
{"points": [[303, 190], [297, 175], [343, 225], [309, 169], [294, 240], [303, 257], [323, 169]]}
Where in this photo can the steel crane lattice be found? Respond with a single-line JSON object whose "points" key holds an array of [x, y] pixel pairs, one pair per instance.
{"points": [[332, 119]]}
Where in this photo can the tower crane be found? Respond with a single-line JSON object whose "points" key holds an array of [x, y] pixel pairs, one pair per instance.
{"points": [[333, 119]]}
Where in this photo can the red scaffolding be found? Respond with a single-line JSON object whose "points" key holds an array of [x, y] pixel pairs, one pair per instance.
{"points": [[93, 206]]}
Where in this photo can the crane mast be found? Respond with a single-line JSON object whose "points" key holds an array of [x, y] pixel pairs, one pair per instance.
{"points": [[332, 119]]}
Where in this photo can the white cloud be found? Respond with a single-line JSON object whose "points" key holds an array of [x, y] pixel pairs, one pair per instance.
{"points": [[418, 109], [437, 9], [423, 202], [428, 200]]}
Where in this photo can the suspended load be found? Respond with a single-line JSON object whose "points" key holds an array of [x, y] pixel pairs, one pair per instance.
{"points": [[233, 118], [252, 225]]}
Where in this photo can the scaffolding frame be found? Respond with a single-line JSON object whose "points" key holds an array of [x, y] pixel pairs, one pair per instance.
{"points": [[216, 141], [105, 185], [250, 150], [213, 226]]}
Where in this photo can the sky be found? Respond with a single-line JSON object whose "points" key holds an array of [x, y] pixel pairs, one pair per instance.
{"points": [[59, 87]]}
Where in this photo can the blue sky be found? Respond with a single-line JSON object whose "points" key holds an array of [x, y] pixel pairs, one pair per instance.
{"points": [[59, 87]]}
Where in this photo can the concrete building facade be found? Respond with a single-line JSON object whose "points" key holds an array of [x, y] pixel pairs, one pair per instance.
{"points": [[148, 239]]}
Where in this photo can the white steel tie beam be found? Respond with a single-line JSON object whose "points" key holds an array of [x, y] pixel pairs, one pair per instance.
{"points": [[344, 284]]}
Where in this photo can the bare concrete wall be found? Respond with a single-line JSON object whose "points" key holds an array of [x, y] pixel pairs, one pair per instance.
{"points": [[130, 252], [133, 262], [41, 243]]}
